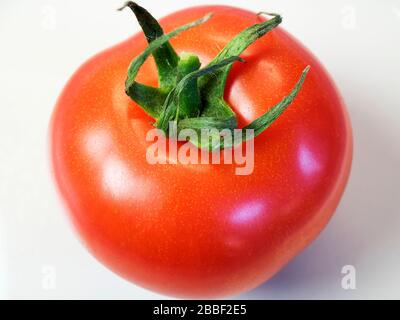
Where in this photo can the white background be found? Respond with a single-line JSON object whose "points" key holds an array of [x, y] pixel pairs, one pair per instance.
{"points": [[43, 42]]}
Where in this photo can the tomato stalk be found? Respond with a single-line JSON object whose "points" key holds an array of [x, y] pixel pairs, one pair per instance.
{"points": [[191, 97]]}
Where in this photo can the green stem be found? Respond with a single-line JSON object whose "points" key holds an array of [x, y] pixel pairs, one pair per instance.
{"points": [[212, 87], [193, 97], [190, 96], [172, 103], [165, 56], [149, 98]]}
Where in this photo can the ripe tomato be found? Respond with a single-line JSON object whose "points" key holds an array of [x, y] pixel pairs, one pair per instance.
{"points": [[201, 230]]}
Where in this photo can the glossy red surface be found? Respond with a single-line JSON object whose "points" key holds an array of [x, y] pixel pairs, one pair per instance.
{"points": [[201, 230]]}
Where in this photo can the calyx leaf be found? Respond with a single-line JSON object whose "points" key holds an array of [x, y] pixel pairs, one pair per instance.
{"points": [[192, 97]]}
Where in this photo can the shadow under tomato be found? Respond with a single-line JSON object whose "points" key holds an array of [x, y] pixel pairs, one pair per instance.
{"points": [[364, 226]]}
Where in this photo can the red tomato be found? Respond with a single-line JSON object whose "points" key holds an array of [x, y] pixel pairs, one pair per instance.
{"points": [[201, 230]]}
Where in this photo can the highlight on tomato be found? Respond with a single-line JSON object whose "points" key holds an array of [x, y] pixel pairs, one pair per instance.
{"points": [[137, 128]]}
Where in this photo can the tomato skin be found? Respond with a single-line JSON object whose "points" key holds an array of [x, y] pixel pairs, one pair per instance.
{"points": [[200, 230]]}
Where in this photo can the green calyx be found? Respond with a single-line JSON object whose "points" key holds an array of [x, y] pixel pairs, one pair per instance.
{"points": [[193, 97]]}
